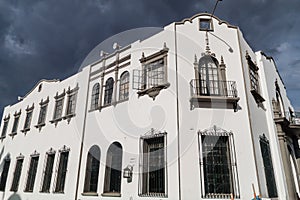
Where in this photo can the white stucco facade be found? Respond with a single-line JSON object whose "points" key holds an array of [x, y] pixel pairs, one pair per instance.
{"points": [[185, 106]]}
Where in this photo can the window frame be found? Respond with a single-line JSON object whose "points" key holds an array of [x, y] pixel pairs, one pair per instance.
{"points": [[32, 171], [5, 127], [28, 118], [124, 86], [17, 173], [42, 114], [144, 182], [71, 102], [48, 172], [14, 130], [218, 132], [208, 21], [109, 91], [58, 107], [92, 171], [95, 98], [61, 170], [4, 173], [112, 160]]}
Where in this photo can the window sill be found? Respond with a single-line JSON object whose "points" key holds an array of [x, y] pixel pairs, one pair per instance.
{"points": [[258, 98], [12, 134], [25, 130], [2, 137], [55, 121], [89, 194], [39, 126], [153, 91], [154, 195], [111, 194], [68, 117]]}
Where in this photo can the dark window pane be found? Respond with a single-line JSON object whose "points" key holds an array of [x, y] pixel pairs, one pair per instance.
{"points": [[17, 175], [48, 173], [4, 174], [62, 171], [31, 174]]}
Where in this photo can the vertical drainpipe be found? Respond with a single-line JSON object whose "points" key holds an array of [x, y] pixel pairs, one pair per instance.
{"points": [[83, 132], [177, 111]]}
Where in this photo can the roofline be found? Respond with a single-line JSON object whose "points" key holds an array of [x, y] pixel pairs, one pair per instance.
{"points": [[36, 85], [208, 15]]}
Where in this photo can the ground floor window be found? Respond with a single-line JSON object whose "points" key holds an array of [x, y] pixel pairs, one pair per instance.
{"points": [[268, 166], [218, 164], [32, 173], [62, 171], [153, 171], [48, 170], [4, 174], [92, 170], [17, 174]]}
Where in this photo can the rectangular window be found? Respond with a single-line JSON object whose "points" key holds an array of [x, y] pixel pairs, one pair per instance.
{"points": [[48, 172], [71, 104], [17, 175], [31, 173], [28, 120], [218, 164], [154, 74], [42, 115], [254, 79], [268, 166], [16, 123], [205, 24], [4, 129], [4, 174], [153, 176], [58, 108], [61, 172]]}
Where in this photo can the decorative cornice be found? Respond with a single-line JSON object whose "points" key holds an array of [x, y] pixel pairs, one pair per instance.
{"points": [[215, 131]]}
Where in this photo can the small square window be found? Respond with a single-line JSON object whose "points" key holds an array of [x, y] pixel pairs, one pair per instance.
{"points": [[205, 25]]}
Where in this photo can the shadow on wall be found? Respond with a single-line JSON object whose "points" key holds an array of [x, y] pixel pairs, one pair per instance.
{"points": [[14, 197]]}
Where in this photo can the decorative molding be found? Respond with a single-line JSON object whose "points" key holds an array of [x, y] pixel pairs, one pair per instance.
{"points": [[17, 114], [60, 96], [71, 91], [35, 154], [51, 151], [215, 131], [20, 156], [43, 102], [64, 149], [153, 133], [28, 109]]}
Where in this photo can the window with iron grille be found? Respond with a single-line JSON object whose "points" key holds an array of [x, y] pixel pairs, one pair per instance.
{"points": [[254, 79], [48, 170], [113, 170], [218, 164], [4, 128], [32, 173], [4, 174], [268, 166], [92, 170], [108, 92], [95, 96], [61, 172], [153, 162], [17, 175], [124, 86], [16, 123]]}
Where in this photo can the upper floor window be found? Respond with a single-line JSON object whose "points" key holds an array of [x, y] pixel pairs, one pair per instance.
{"points": [[95, 96], [113, 170], [92, 170], [205, 24], [268, 166], [48, 171], [17, 174], [254, 80], [4, 127], [43, 113], [124, 86], [153, 166], [62, 170], [58, 108], [152, 78], [4, 173], [32, 172], [16, 123], [71, 101], [218, 164], [109, 87], [27, 123]]}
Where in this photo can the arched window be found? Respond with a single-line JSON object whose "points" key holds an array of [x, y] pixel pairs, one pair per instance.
{"points": [[209, 76], [109, 87], [112, 181], [124, 86], [95, 96], [92, 170]]}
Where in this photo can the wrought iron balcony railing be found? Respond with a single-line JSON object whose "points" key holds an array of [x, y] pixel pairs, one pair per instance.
{"points": [[216, 88]]}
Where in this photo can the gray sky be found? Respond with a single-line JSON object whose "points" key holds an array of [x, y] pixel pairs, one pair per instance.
{"points": [[48, 39]]}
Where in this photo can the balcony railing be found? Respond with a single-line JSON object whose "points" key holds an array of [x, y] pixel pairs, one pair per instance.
{"points": [[294, 117], [216, 88]]}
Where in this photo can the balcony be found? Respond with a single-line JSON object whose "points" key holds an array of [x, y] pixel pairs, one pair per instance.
{"points": [[213, 94]]}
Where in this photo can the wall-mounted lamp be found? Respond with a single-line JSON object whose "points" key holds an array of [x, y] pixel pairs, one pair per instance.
{"points": [[127, 173]]}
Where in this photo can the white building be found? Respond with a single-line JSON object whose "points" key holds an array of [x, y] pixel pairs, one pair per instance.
{"points": [[188, 113]]}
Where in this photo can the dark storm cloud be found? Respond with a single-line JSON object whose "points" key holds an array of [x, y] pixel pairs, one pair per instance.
{"points": [[49, 39]]}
